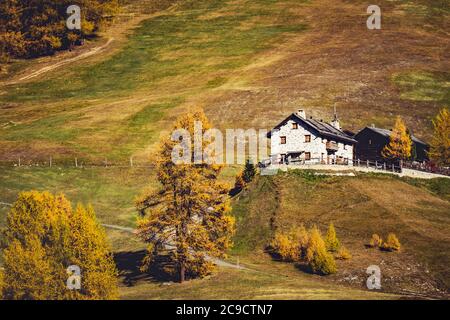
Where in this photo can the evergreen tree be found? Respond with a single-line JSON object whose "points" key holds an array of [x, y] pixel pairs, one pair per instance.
{"points": [[189, 215], [400, 143], [249, 171], [440, 144]]}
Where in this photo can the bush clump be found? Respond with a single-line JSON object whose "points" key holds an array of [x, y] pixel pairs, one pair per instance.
{"points": [[392, 243], [308, 246], [290, 246], [319, 259], [376, 241], [343, 254]]}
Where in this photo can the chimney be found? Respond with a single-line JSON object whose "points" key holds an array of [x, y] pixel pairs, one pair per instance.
{"points": [[301, 113], [335, 123]]}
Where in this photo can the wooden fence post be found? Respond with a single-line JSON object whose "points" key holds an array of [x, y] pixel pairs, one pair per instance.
{"points": [[19, 161], [131, 161], [367, 162], [384, 166], [76, 163], [50, 162]]}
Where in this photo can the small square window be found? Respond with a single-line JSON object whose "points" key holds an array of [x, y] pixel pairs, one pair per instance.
{"points": [[295, 126], [283, 140], [307, 155], [307, 138]]}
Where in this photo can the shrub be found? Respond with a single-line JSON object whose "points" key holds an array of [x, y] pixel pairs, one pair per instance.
{"points": [[285, 247], [376, 241], [331, 240], [392, 243], [239, 183], [301, 237], [317, 256], [343, 254]]}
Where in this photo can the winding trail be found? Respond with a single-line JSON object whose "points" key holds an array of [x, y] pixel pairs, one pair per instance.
{"points": [[54, 66], [218, 262]]}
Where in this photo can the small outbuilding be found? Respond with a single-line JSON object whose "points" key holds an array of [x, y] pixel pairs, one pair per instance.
{"points": [[372, 140]]}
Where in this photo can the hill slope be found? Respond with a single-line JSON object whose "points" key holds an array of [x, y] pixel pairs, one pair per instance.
{"points": [[359, 207], [249, 63]]}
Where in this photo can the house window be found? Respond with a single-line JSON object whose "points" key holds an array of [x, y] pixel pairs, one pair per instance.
{"points": [[283, 140], [307, 138], [307, 155], [370, 141], [295, 125]]}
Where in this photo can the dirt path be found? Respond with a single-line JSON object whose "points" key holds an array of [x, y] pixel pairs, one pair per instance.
{"points": [[218, 262], [51, 67]]}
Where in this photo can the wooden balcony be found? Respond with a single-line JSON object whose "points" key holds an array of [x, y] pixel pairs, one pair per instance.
{"points": [[331, 145]]}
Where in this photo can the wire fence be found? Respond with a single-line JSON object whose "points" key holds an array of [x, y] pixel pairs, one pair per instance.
{"points": [[51, 162]]}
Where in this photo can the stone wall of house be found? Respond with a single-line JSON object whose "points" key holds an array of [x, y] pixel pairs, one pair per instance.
{"points": [[295, 142]]}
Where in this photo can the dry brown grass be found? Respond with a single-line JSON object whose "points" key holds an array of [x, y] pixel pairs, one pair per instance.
{"points": [[358, 207]]}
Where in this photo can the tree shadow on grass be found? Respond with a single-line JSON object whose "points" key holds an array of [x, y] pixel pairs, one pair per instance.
{"points": [[129, 262]]}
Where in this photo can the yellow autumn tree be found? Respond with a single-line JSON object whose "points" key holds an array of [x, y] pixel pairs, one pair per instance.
{"points": [[188, 217], [30, 28], [440, 144], [317, 256], [331, 240], [43, 238], [90, 251], [400, 143]]}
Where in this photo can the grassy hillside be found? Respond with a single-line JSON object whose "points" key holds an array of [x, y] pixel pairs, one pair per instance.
{"points": [[359, 207], [112, 191], [248, 63]]}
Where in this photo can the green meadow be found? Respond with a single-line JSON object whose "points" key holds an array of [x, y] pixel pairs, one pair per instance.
{"points": [[114, 107]]}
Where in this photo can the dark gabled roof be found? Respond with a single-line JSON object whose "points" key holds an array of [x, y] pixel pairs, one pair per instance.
{"points": [[387, 133], [322, 128]]}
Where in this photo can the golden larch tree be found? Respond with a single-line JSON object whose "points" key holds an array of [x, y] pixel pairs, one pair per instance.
{"points": [[188, 217], [400, 143], [43, 237], [331, 240], [91, 251], [440, 144], [30, 28]]}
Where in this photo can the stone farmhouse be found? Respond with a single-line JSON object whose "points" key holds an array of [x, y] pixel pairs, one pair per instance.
{"points": [[309, 141]]}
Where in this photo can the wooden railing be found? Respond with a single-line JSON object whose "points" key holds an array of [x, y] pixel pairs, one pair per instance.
{"points": [[379, 165], [426, 167]]}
